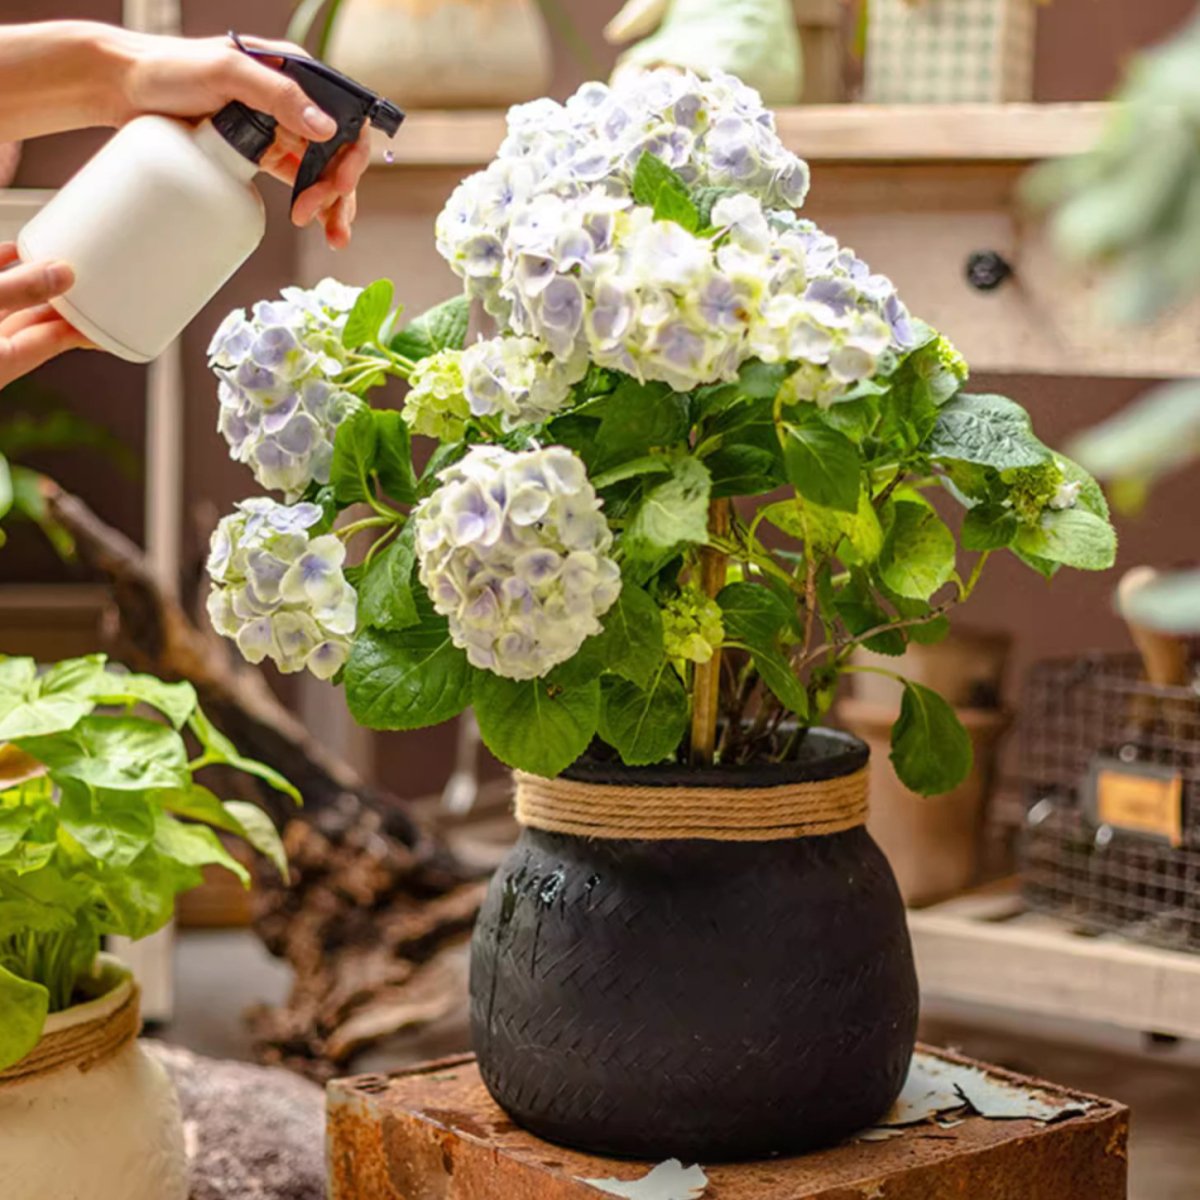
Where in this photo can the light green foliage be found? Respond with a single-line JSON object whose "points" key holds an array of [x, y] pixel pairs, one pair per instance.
{"points": [[931, 751], [92, 787]]}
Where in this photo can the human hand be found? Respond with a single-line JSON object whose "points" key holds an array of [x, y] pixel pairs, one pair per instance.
{"points": [[194, 77], [31, 332]]}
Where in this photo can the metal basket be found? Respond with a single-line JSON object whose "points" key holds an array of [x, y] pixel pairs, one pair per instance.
{"points": [[1084, 717]]}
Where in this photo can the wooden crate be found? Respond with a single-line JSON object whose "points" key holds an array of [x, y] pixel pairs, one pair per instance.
{"points": [[987, 948], [434, 1133]]}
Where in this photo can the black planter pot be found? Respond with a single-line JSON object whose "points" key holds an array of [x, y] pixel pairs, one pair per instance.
{"points": [[696, 999]]}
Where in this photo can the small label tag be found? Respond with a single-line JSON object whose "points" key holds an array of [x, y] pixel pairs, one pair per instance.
{"points": [[1139, 798]]}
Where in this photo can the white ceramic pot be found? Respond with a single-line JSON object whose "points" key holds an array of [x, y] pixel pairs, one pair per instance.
{"points": [[110, 1132], [445, 53]]}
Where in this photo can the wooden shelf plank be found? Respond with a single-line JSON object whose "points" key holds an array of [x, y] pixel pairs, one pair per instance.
{"points": [[989, 950], [821, 133]]}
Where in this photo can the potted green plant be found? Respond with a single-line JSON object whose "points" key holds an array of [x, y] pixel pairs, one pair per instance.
{"points": [[102, 824], [692, 471]]}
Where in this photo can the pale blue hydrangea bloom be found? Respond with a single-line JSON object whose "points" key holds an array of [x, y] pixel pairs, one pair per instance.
{"points": [[513, 550], [279, 405], [278, 592]]}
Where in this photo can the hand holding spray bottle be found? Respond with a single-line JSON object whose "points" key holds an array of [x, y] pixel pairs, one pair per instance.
{"points": [[166, 212]]}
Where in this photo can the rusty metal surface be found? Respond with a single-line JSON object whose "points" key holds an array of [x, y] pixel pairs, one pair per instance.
{"points": [[435, 1134]]}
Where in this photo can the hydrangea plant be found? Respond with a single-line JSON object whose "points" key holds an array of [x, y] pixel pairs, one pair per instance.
{"points": [[704, 453], [102, 823]]}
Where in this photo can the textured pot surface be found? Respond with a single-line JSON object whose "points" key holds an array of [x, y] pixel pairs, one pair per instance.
{"points": [[701, 999], [111, 1133]]}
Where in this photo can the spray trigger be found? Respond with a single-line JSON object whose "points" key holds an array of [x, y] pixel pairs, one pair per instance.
{"points": [[350, 104]]}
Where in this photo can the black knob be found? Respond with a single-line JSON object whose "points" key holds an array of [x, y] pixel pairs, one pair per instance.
{"points": [[987, 270]]}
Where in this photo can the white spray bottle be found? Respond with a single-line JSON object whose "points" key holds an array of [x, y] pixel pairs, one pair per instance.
{"points": [[166, 212]]}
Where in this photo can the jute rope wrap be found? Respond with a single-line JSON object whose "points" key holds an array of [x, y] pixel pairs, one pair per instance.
{"points": [[84, 1046], [794, 810]]}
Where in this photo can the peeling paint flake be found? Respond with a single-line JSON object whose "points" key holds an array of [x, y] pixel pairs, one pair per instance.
{"points": [[935, 1087], [668, 1181]]}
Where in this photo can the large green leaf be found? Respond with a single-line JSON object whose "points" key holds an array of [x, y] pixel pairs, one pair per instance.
{"points": [[140, 899], [393, 456], [354, 450], [443, 327], [259, 830], [918, 552], [366, 318], [24, 1006], [1073, 537], [176, 701], [73, 677], [631, 644], [989, 527], [385, 590], [408, 678], [823, 465], [117, 753], [637, 418], [534, 725], [14, 825], [673, 513], [855, 537], [193, 846], [644, 725], [26, 712], [931, 750], [113, 827], [990, 431], [743, 471]]}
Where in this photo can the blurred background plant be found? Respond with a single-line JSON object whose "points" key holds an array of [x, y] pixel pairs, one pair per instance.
{"points": [[1130, 208]]}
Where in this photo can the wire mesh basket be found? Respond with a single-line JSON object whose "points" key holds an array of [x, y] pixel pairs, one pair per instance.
{"points": [[1110, 770]]}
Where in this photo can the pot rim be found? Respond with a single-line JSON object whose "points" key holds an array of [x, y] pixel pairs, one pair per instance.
{"points": [[113, 981], [837, 755]]}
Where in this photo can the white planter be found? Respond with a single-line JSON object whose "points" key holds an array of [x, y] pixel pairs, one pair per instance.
{"points": [[444, 53], [111, 1131], [950, 51]]}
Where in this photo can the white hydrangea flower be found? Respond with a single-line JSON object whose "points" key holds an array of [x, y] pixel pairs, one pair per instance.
{"points": [[513, 550], [278, 592], [279, 404], [514, 378], [435, 404], [552, 241]]}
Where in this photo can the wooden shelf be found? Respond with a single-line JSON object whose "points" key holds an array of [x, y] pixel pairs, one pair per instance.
{"points": [[986, 947], [841, 133]]}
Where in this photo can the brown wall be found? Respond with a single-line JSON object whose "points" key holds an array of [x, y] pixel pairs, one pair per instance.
{"points": [[1082, 44]]}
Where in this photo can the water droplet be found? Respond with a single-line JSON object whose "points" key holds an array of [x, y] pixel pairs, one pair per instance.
{"points": [[551, 886]]}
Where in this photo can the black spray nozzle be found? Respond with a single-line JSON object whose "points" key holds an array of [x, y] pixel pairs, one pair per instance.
{"points": [[349, 103]]}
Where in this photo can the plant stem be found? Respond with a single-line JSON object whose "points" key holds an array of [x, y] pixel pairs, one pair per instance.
{"points": [[706, 685]]}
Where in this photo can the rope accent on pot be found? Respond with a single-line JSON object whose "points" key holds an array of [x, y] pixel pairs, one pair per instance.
{"points": [[85, 1045], [722, 814]]}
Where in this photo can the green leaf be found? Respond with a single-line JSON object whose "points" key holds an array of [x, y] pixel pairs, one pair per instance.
{"points": [[219, 749], [823, 465], [14, 825], [918, 552], [644, 726], [651, 177], [637, 418], [651, 464], [193, 846], [393, 458], [73, 677], [931, 750], [534, 725], [371, 309], [860, 611], [354, 449], [176, 701], [757, 617], [1073, 537], [24, 1005], [443, 327], [113, 827], [45, 716], [855, 537], [632, 642], [758, 380], [385, 590], [673, 513], [743, 471], [118, 753], [706, 199], [258, 829], [140, 898], [989, 527], [408, 678], [677, 206], [990, 431]]}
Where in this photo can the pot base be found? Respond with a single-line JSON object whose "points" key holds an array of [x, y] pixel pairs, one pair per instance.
{"points": [[711, 1001]]}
